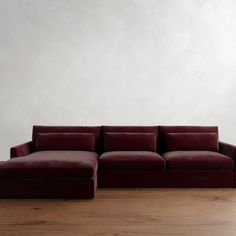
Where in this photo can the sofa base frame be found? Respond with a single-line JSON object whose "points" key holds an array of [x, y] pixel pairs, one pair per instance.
{"points": [[167, 179], [48, 188]]}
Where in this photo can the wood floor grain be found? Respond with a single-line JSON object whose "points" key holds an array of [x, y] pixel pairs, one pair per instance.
{"points": [[128, 212]]}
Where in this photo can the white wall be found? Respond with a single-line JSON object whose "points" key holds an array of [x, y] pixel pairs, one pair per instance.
{"points": [[85, 62]]}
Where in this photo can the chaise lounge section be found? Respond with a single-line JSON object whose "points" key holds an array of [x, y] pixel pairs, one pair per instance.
{"points": [[59, 162]]}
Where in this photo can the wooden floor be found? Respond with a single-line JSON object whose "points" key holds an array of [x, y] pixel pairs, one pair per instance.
{"points": [[125, 212]]}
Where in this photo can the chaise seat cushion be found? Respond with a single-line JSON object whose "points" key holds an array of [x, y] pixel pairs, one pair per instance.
{"points": [[131, 160], [197, 160], [55, 164]]}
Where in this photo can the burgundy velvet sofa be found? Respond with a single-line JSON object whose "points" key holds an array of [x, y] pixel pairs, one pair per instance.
{"points": [[70, 161]]}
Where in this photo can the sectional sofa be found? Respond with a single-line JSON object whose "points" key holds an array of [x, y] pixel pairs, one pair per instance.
{"points": [[71, 161]]}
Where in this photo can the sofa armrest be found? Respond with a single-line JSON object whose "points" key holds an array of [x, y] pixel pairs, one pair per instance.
{"points": [[22, 150], [228, 150]]}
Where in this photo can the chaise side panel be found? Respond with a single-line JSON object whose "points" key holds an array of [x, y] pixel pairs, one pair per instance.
{"points": [[48, 188]]}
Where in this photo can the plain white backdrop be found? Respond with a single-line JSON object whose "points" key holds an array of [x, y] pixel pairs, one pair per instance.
{"points": [[126, 62]]}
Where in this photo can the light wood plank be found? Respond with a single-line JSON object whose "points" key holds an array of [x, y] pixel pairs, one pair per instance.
{"points": [[128, 212]]}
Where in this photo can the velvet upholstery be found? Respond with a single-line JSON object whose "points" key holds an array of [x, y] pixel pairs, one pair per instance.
{"points": [[48, 188], [228, 150], [66, 173], [197, 160], [125, 129], [65, 141], [164, 179], [126, 141], [67, 129], [163, 130], [131, 160], [191, 141], [130, 129], [52, 164], [22, 149]]}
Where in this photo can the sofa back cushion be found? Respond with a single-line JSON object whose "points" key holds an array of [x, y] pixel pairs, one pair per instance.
{"points": [[201, 142], [129, 138], [65, 141], [191, 141], [67, 129], [125, 141]]}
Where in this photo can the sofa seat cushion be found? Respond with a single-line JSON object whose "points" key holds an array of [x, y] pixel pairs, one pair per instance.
{"points": [[132, 160], [55, 164], [197, 160]]}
